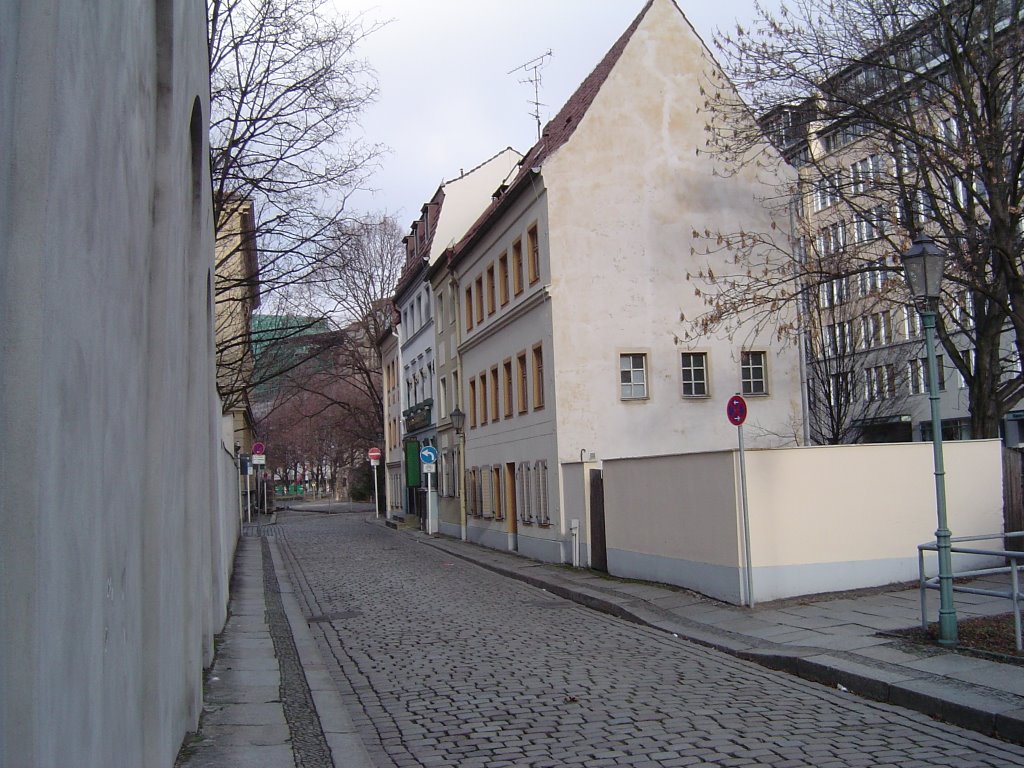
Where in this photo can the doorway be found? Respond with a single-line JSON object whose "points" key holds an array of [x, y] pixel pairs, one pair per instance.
{"points": [[598, 544], [511, 507]]}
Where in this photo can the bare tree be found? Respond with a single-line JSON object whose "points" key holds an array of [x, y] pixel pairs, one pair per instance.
{"points": [[334, 376], [362, 268], [286, 91], [903, 117], [853, 376]]}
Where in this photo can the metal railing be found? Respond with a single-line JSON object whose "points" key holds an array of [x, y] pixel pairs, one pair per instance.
{"points": [[1013, 594]]}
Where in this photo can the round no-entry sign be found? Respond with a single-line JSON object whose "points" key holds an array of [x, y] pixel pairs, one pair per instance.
{"points": [[258, 449], [373, 454], [736, 410]]}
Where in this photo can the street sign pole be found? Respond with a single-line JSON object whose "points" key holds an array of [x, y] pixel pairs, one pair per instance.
{"points": [[428, 455], [374, 455], [431, 512], [736, 410], [748, 562], [376, 501]]}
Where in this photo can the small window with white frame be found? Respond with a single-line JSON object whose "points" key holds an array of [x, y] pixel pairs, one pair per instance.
{"points": [[694, 367], [633, 376], [912, 322], [753, 373], [968, 356]]}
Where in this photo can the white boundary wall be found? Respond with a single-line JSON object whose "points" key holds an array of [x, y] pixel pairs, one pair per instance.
{"points": [[115, 543], [822, 518]]}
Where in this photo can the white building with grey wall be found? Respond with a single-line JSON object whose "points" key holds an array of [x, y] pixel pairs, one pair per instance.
{"points": [[118, 517], [574, 284]]}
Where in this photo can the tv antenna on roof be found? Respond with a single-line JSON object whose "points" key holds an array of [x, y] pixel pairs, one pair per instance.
{"points": [[533, 67]]}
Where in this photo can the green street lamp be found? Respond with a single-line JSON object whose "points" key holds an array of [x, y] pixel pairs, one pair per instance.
{"points": [[458, 419], [923, 263]]}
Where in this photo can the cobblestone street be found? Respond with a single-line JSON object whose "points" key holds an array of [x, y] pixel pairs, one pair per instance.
{"points": [[443, 663]]}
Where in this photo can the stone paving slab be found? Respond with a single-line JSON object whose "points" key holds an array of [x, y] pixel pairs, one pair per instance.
{"points": [[232, 755]]}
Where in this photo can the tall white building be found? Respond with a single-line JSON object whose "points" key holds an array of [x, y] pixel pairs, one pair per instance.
{"points": [[571, 289], [443, 220]]}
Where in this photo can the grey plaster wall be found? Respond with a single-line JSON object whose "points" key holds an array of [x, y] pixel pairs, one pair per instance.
{"points": [[114, 547]]}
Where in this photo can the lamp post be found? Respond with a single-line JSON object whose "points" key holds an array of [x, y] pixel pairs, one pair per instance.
{"points": [[923, 263], [458, 422]]}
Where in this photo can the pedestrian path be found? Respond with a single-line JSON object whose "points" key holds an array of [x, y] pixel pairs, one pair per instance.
{"points": [[268, 698], [833, 640]]}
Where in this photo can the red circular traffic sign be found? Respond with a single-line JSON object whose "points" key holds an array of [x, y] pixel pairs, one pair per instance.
{"points": [[373, 454], [736, 410], [258, 449]]}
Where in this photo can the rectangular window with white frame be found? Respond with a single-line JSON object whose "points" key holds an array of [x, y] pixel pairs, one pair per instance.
{"points": [[753, 373], [540, 484], [911, 322], [839, 389], [832, 239], [524, 496], [917, 377], [633, 376], [826, 191], [963, 309], [866, 173], [695, 374], [869, 225], [833, 293], [871, 280], [876, 330], [968, 356], [837, 339], [879, 382]]}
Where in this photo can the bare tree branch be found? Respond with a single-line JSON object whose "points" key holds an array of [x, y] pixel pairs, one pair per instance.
{"points": [[903, 117]]}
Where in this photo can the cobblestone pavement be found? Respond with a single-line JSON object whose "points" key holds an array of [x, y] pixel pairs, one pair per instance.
{"points": [[445, 664]]}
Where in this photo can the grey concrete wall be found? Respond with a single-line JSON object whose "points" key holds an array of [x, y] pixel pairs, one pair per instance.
{"points": [[113, 546]]}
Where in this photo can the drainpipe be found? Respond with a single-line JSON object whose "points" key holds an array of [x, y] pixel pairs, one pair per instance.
{"points": [[453, 282], [574, 530], [802, 334]]}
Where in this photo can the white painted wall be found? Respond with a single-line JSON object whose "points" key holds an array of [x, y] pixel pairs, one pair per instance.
{"points": [[831, 515], [466, 196], [822, 518], [113, 541], [624, 195]]}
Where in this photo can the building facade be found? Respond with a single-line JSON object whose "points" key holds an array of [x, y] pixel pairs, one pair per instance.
{"points": [[424, 402], [573, 287], [887, 150]]}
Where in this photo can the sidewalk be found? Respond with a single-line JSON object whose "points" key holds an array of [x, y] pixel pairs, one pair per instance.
{"points": [[832, 640], [268, 699]]}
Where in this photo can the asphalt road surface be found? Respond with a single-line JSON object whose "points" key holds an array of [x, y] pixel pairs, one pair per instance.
{"points": [[442, 663]]}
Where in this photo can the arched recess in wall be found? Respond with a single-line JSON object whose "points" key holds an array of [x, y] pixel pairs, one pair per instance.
{"points": [[196, 128]]}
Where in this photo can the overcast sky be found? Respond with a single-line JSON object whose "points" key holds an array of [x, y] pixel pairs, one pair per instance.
{"points": [[446, 101]]}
